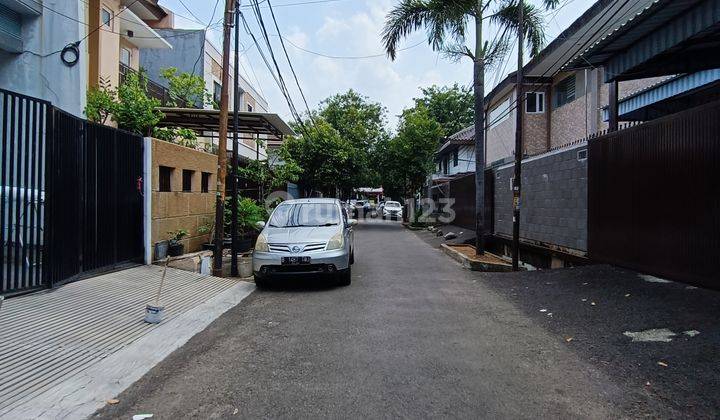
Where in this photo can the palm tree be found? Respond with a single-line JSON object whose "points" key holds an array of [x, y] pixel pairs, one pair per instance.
{"points": [[446, 23]]}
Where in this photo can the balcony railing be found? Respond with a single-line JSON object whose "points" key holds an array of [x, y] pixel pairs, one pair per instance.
{"points": [[155, 90]]}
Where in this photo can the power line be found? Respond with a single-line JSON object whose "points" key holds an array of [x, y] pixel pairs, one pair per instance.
{"points": [[296, 3], [202, 50], [513, 104], [346, 57], [288, 100], [292, 69]]}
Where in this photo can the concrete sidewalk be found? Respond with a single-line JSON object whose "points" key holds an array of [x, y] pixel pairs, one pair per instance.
{"points": [[63, 353]]}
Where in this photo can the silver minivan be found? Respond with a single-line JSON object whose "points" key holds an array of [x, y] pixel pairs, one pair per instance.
{"points": [[305, 236]]}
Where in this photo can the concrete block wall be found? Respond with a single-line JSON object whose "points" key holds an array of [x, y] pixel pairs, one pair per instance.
{"points": [[178, 209], [553, 202]]}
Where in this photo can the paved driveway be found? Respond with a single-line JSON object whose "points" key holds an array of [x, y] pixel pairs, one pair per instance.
{"points": [[414, 336]]}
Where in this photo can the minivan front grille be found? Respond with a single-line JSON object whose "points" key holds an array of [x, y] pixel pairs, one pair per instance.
{"points": [[288, 248]]}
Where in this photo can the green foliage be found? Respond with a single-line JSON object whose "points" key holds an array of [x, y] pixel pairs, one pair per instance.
{"points": [[324, 156], [249, 213], [361, 123], [182, 136], [186, 89], [451, 106], [165, 133], [134, 110], [100, 102], [177, 235], [274, 173], [406, 160]]}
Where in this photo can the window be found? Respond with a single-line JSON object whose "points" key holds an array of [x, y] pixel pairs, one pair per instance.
{"points": [[249, 108], [582, 154], [499, 114], [217, 92], [205, 183], [446, 161], [165, 178], [535, 102], [125, 56], [106, 17], [187, 180], [455, 157], [564, 92], [10, 30]]}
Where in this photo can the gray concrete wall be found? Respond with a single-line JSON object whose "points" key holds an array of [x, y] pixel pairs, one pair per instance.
{"points": [[48, 78], [187, 46], [553, 203]]}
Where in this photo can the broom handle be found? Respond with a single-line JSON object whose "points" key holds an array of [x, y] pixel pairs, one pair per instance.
{"points": [[162, 281]]}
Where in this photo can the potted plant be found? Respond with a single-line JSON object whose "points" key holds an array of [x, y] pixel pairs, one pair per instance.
{"points": [[248, 214], [207, 228], [175, 247]]}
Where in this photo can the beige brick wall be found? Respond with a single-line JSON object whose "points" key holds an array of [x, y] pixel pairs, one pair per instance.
{"points": [[177, 209], [569, 122]]}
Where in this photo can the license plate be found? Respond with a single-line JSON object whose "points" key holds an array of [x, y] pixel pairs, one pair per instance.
{"points": [[295, 260]]}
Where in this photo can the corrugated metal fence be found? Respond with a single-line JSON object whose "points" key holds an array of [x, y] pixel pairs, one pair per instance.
{"points": [[654, 196]]}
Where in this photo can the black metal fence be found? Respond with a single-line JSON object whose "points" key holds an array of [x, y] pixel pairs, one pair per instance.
{"points": [[22, 191], [70, 193], [94, 200], [654, 196]]}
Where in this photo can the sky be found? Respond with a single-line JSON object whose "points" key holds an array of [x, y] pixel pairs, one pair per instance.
{"points": [[349, 28]]}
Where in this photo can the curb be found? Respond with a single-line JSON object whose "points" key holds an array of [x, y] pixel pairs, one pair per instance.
{"points": [[474, 265]]}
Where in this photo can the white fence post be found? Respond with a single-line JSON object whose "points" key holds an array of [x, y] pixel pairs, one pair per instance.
{"points": [[147, 199]]}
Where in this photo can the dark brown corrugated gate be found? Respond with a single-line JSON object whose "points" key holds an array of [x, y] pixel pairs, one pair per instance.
{"points": [[654, 197]]}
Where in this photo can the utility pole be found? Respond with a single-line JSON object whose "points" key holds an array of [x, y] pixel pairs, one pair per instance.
{"points": [[479, 107], [518, 140], [236, 122], [222, 143]]}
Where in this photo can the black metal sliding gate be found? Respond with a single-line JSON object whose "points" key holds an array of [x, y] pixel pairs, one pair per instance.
{"points": [[22, 190], [71, 196]]}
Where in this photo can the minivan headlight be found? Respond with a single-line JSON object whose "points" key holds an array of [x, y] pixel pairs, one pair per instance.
{"points": [[261, 245], [336, 242]]}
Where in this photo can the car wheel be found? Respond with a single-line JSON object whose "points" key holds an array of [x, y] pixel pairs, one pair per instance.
{"points": [[345, 277], [352, 257], [261, 283]]}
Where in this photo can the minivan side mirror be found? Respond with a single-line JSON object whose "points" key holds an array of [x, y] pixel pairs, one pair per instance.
{"points": [[260, 225], [352, 222]]}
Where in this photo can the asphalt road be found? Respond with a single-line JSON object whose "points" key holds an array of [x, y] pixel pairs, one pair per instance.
{"points": [[414, 336]]}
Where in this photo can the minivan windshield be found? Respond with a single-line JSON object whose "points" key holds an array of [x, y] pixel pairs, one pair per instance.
{"points": [[305, 214]]}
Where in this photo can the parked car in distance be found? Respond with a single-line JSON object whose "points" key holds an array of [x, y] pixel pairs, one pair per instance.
{"points": [[305, 236], [392, 209]]}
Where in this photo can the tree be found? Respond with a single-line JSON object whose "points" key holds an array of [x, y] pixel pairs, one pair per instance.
{"points": [[275, 172], [451, 106], [406, 160], [446, 24], [135, 111], [100, 102], [361, 123], [186, 89], [324, 156]]}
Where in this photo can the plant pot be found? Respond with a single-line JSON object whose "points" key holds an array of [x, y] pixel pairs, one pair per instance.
{"points": [[161, 250], [176, 250], [245, 267], [245, 244]]}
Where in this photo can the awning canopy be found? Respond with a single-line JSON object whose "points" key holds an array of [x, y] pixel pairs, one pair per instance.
{"points": [[208, 120], [666, 37], [135, 30]]}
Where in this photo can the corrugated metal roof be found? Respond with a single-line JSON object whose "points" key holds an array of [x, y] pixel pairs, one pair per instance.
{"points": [[665, 90], [658, 27]]}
